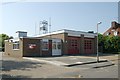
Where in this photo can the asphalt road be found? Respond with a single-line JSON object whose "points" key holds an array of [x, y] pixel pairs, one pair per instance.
{"points": [[23, 68]]}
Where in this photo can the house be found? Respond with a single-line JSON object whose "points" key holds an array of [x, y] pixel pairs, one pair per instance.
{"points": [[57, 43], [114, 30]]}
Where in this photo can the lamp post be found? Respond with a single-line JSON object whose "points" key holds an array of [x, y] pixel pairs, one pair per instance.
{"points": [[97, 42]]}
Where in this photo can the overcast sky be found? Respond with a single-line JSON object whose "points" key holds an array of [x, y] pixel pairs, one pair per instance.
{"points": [[80, 16]]}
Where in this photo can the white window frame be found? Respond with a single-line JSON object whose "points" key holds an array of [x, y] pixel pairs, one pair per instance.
{"points": [[16, 43], [115, 33]]}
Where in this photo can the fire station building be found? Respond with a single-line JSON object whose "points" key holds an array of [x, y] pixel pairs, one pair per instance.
{"points": [[58, 43]]}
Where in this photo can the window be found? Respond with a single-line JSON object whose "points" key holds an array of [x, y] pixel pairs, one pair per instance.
{"points": [[54, 45], [118, 32], [16, 45], [108, 33], [59, 45], [45, 45], [115, 33]]}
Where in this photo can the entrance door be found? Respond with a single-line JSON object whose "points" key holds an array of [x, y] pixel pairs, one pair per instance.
{"points": [[56, 47]]}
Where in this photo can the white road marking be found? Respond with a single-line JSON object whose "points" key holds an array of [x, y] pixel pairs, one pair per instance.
{"points": [[79, 62], [58, 63]]}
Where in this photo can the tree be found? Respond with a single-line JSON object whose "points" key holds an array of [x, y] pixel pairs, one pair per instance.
{"points": [[3, 37], [100, 39], [111, 43], [106, 41], [116, 42], [10, 37], [100, 42]]}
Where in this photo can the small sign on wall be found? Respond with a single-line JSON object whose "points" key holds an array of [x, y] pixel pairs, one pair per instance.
{"points": [[32, 46]]}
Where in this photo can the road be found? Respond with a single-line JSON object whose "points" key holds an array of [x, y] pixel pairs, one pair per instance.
{"points": [[23, 68]]}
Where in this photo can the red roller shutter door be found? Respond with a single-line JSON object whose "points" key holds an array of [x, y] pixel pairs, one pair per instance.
{"points": [[88, 46], [73, 45]]}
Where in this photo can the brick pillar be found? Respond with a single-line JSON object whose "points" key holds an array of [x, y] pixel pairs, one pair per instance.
{"points": [[62, 47], [95, 44], [79, 43], [82, 44], [65, 44], [50, 47], [40, 47]]}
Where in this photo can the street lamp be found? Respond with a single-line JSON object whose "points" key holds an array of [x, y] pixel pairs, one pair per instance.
{"points": [[97, 42]]}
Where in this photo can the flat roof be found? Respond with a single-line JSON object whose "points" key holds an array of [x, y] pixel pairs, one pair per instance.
{"points": [[70, 32]]}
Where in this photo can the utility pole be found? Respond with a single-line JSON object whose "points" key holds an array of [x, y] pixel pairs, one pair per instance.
{"points": [[50, 27]]}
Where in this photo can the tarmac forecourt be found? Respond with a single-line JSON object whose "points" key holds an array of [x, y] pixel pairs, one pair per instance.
{"points": [[73, 61]]}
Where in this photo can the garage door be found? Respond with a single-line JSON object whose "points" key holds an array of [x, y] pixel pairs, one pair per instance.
{"points": [[73, 45], [88, 46]]}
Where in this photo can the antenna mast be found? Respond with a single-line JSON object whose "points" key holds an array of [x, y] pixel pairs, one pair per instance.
{"points": [[35, 28], [50, 25]]}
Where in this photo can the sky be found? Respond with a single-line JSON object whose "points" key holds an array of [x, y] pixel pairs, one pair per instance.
{"points": [[79, 16]]}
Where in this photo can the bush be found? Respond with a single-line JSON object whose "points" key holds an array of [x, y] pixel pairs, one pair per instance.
{"points": [[111, 44]]}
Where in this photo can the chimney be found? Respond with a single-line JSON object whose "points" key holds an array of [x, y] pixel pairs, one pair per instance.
{"points": [[114, 24]]}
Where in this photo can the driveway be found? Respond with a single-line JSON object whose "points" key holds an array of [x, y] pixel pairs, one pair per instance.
{"points": [[49, 67]]}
